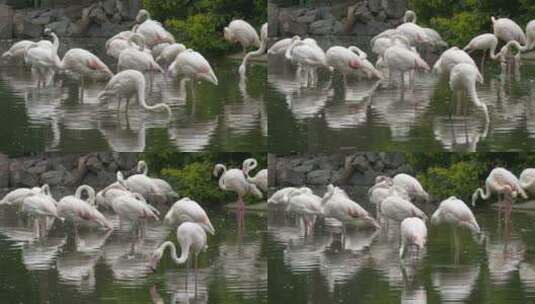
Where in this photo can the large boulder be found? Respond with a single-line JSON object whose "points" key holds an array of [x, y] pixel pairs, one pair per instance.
{"points": [[273, 21], [6, 22], [394, 8], [61, 28], [4, 170], [321, 27], [32, 30]]}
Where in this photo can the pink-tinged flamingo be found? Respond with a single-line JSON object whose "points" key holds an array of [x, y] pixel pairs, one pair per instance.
{"points": [[309, 57], [454, 211], [414, 33], [527, 180], [400, 59], [396, 208], [127, 85], [43, 62], [17, 51], [134, 208], [17, 196], [42, 207], [194, 66], [188, 210], [260, 51], [413, 233], [235, 180], [153, 31], [463, 77], [508, 30], [305, 204], [163, 188], [135, 58], [240, 31], [412, 186], [139, 183], [483, 43], [105, 196], [278, 198], [169, 53], [280, 47], [261, 177], [450, 58]]}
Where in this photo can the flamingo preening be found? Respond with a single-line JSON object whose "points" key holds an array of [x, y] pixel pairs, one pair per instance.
{"points": [[188, 210], [235, 180], [261, 50], [261, 177], [413, 233], [240, 31]]}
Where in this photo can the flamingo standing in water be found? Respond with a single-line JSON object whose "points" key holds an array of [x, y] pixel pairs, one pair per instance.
{"points": [[41, 206], [134, 58], [84, 64], [235, 180], [16, 197], [163, 188], [400, 59], [412, 186], [483, 43], [188, 210], [73, 209], [396, 208], [192, 65], [17, 51], [527, 180], [308, 56], [450, 58], [305, 204], [43, 59], [133, 207], [261, 177], [169, 53], [413, 233], [261, 50], [508, 30], [280, 47], [152, 30], [278, 198], [128, 84], [454, 211], [505, 184], [463, 77], [105, 196], [240, 31]]}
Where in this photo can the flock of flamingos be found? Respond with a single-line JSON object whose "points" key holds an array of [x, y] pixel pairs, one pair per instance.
{"points": [[133, 200], [393, 199], [147, 49], [398, 49]]}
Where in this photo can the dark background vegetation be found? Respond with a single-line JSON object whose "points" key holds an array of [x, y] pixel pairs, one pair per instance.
{"points": [[199, 23], [190, 174], [459, 174]]}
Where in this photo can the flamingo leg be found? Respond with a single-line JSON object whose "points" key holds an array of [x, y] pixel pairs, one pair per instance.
{"points": [[196, 270], [483, 61]]}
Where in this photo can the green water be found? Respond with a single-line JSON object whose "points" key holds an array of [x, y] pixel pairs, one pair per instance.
{"points": [[228, 117], [366, 269], [113, 268], [329, 118]]}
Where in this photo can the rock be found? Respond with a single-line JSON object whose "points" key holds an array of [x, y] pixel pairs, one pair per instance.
{"points": [[94, 164], [61, 28], [39, 168], [98, 15], [360, 163], [116, 18], [375, 5], [109, 29], [394, 8], [106, 178], [308, 17], [291, 177], [32, 30], [304, 168], [291, 27], [109, 6], [53, 178], [371, 28], [381, 16], [18, 23], [6, 22], [319, 177], [338, 27], [358, 178], [4, 170], [127, 161], [273, 15], [371, 156], [41, 20], [362, 13], [22, 178], [321, 27]]}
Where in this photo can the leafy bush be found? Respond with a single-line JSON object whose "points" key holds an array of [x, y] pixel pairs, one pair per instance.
{"points": [[199, 24]]}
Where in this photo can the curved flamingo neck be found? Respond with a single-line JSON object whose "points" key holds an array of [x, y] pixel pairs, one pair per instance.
{"points": [[140, 86], [493, 54], [183, 255]]}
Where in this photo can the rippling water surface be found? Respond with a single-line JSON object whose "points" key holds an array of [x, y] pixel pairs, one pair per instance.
{"points": [[228, 117], [112, 267], [369, 116], [319, 268]]}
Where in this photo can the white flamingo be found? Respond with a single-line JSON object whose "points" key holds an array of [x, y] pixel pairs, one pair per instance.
{"points": [[188, 210], [152, 30], [105, 196], [450, 58], [308, 56], [139, 183], [337, 204], [17, 51], [194, 66], [261, 50], [40, 206], [305, 204], [163, 187], [527, 180], [483, 43], [502, 182], [381, 44], [43, 62], [169, 53], [280, 47], [261, 177], [463, 77], [396, 208], [383, 189], [414, 33], [343, 60], [400, 59], [73, 209], [234, 180], [278, 198], [433, 36], [412, 186], [17, 196], [133, 207], [507, 30], [454, 211], [84, 64], [413, 233], [126, 85], [240, 31], [192, 240], [134, 58]]}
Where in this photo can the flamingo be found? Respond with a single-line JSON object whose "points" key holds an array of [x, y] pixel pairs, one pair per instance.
{"points": [[381, 44], [17, 51], [337, 204], [383, 189], [502, 182], [133, 207], [73, 209], [139, 183], [305, 204], [234, 180], [105, 196], [414, 33], [463, 77], [412, 186], [450, 58], [84, 64], [194, 66], [261, 177], [507, 30], [261, 50], [308, 56], [399, 58], [157, 50], [16, 197], [455, 212], [151, 30], [188, 210], [128, 84], [527, 180], [169, 53], [191, 238], [343, 60], [280, 47], [434, 37], [43, 62], [483, 43], [162, 186], [40, 206], [413, 233], [396, 208], [279, 196], [240, 31], [134, 58], [367, 67]]}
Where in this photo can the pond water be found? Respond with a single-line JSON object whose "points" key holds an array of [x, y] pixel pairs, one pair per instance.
{"points": [[367, 269], [368, 116], [228, 117], [112, 267]]}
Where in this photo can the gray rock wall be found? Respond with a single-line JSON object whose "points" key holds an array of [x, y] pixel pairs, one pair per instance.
{"points": [[64, 172], [370, 18], [354, 172]]}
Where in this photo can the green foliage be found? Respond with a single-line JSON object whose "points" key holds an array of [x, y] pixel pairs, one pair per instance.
{"points": [[199, 24], [459, 21]]}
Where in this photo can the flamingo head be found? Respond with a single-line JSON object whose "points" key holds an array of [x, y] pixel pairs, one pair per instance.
{"points": [[104, 96], [155, 258], [419, 240], [209, 76], [47, 31], [171, 70], [142, 16], [421, 64]]}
